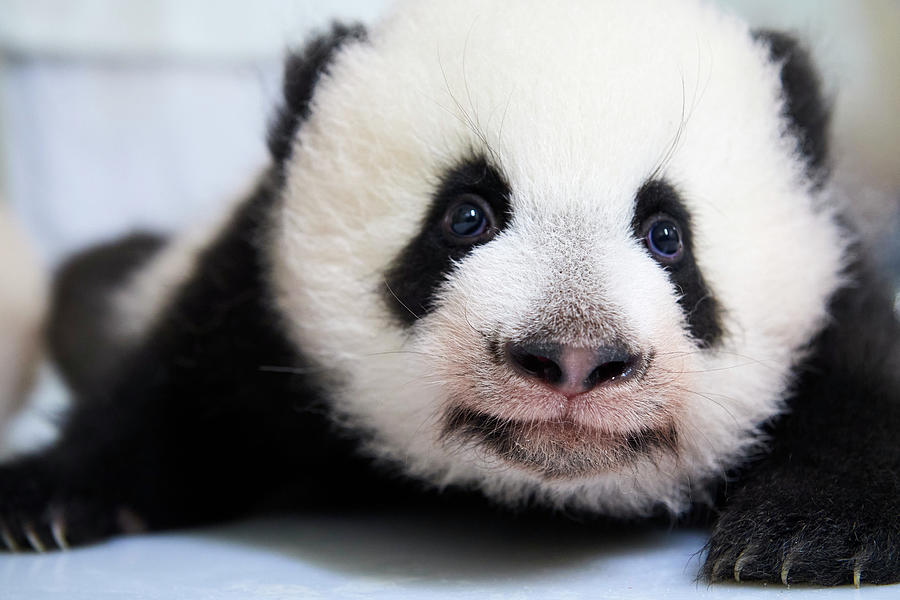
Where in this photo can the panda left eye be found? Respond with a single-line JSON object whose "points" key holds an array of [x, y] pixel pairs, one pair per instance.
{"points": [[468, 219], [663, 239]]}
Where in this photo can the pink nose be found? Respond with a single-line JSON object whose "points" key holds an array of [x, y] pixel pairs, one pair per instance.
{"points": [[570, 370]]}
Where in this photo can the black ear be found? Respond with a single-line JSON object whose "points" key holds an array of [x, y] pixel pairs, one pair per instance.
{"points": [[301, 73], [806, 110]]}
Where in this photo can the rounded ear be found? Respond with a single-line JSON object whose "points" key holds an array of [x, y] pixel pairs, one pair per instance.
{"points": [[804, 107], [302, 71]]}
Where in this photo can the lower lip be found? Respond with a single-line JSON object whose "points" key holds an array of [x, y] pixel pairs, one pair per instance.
{"points": [[475, 424]]}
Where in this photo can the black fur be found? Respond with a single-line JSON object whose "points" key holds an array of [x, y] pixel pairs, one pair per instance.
{"points": [[421, 267], [827, 495], [804, 105], [701, 310], [301, 74], [81, 335]]}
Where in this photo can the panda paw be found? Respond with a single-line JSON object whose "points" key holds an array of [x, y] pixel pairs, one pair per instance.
{"points": [[792, 530], [33, 520]]}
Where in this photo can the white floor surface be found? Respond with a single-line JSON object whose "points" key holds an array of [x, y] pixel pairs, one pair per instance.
{"points": [[393, 557]]}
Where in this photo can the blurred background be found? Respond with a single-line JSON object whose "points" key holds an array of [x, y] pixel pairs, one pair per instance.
{"points": [[116, 114]]}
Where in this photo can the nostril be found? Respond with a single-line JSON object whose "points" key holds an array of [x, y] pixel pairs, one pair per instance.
{"points": [[534, 361], [618, 369]]}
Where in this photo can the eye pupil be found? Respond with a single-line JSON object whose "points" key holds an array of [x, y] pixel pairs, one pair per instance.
{"points": [[467, 220], [664, 239]]}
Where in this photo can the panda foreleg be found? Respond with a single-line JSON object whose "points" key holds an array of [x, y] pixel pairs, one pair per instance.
{"points": [[824, 506], [84, 488], [208, 417], [158, 461]]}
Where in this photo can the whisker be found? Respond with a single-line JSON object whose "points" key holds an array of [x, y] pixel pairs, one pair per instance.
{"points": [[392, 352], [468, 321], [397, 298], [712, 370], [769, 364], [709, 399], [292, 370]]}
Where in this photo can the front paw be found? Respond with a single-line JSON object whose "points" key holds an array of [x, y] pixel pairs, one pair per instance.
{"points": [[797, 528], [36, 515]]}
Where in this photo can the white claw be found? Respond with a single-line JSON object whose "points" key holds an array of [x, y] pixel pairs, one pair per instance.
{"points": [[6, 536], [58, 529], [739, 564], [33, 539], [861, 558], [785, 569]]}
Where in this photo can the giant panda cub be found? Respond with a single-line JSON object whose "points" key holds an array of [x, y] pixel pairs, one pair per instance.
{"points": [[582, 256]]}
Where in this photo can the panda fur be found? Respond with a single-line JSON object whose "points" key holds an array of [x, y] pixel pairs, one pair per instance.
{"points": [[335, 337]]}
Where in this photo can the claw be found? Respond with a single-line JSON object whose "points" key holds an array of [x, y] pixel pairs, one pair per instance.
{"points": [[33, 538], [58, 529], [739, 564], [8, 540], [785, 569], [859, 561]]}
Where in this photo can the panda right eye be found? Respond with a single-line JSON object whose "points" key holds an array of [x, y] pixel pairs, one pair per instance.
{"points": [[468, 220]]}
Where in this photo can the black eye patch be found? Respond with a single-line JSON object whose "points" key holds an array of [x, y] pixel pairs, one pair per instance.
{"points": [[469, 207], [662, 222]]}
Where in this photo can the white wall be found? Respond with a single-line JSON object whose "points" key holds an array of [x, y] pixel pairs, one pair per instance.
{"points": [[192, 29]]}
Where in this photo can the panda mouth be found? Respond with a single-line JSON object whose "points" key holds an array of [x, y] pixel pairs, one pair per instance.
{"points": [[556, 449]]}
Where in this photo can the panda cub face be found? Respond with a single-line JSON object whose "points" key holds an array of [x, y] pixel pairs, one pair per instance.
{"points": [[563, 253]]}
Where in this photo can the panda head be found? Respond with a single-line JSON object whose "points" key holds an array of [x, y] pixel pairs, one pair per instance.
{"points": [[566, 253]]}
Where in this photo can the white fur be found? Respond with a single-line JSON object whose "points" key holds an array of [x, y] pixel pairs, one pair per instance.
{"points": [[577, 103]]}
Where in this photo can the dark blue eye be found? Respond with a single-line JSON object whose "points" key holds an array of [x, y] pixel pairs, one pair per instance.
{"points": [[664, 240], [468, 219]]}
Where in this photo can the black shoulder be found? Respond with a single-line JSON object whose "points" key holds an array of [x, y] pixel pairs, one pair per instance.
{"points": [[849, 381], [80, 338], [863, 335], [805, 108], [302, 71]]}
